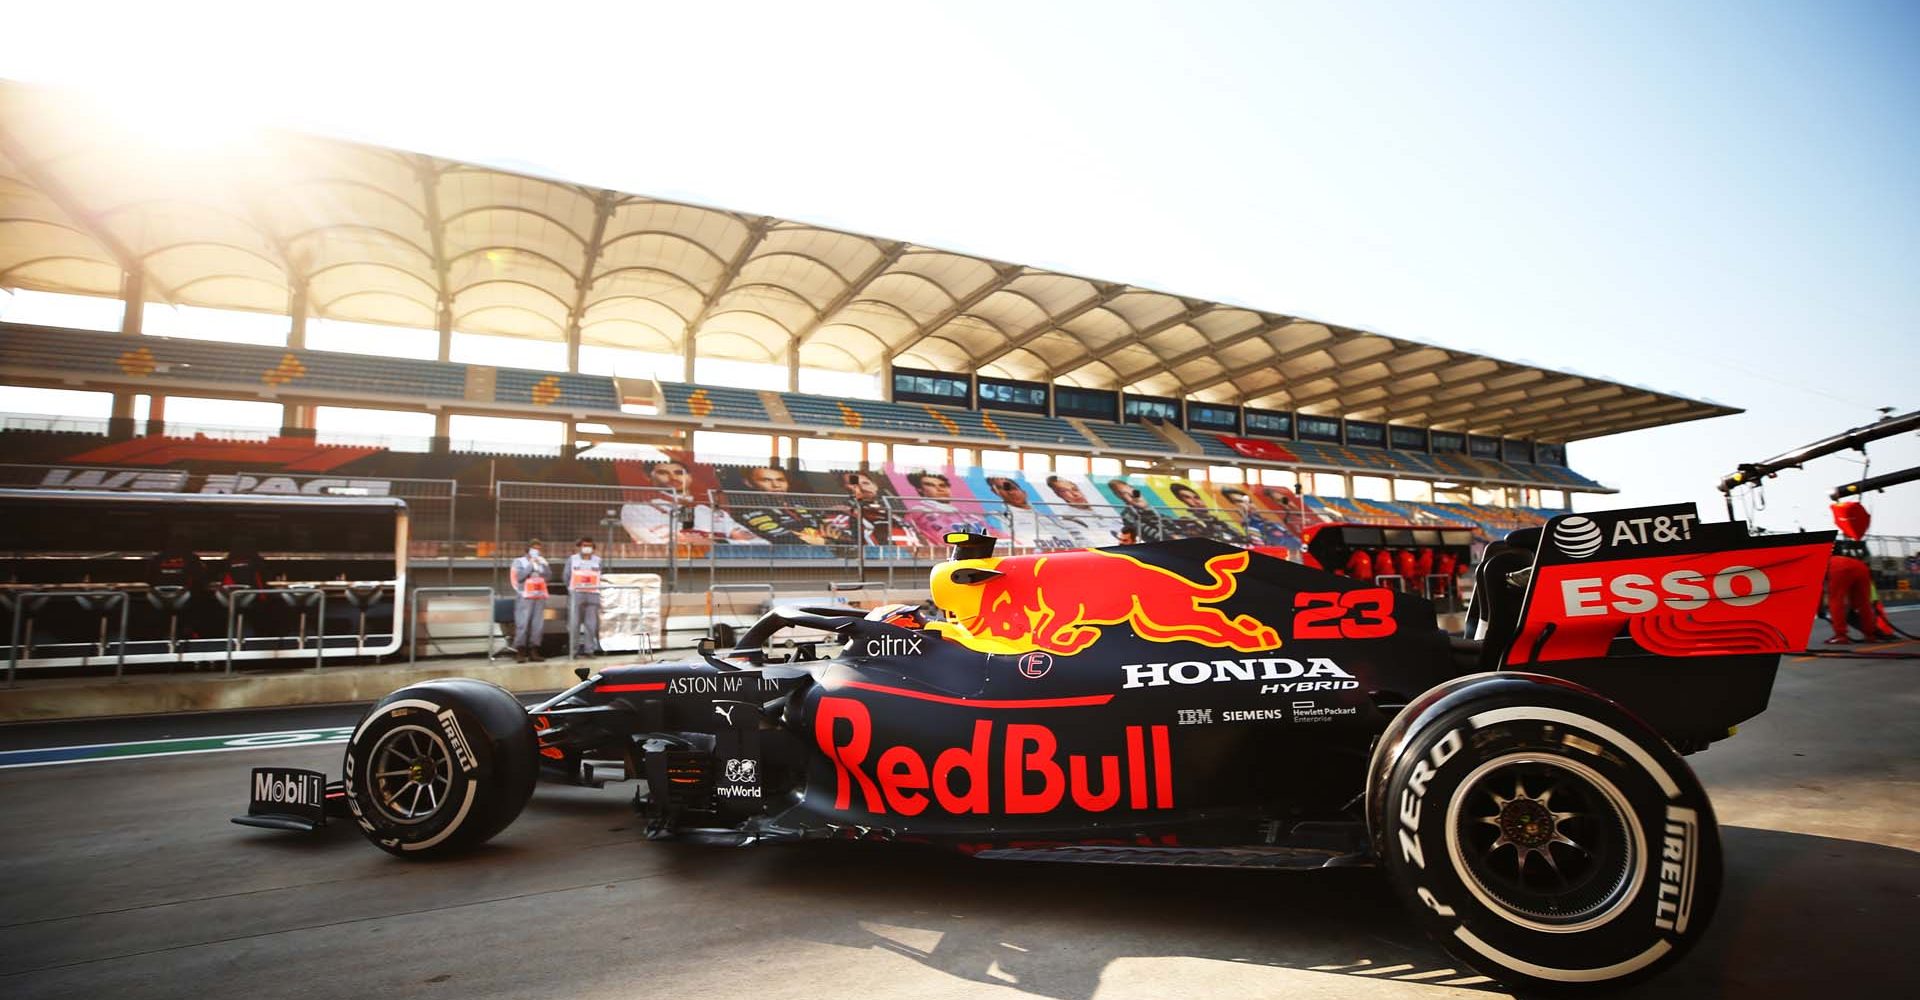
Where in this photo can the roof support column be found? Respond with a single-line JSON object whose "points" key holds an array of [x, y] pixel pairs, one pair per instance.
{"points": [[602, 211], [793, 365], [133, 295], [446, 331], [297, 312], [690, 353], [120, 420], [296, 420], [886, 378]]}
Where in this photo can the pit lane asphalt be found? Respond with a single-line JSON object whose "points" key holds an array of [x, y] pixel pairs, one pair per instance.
{"points": [[123, 878]]}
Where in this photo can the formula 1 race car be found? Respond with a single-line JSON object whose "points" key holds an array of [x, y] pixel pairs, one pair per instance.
{"points": [[1189, 703]]}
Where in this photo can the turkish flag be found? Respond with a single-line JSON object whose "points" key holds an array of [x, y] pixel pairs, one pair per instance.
{"points": [[1257, 448]]}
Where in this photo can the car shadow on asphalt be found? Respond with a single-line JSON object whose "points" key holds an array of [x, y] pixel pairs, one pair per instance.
{"points": [[1799, 913], [1053, 930], [1804, 916]]}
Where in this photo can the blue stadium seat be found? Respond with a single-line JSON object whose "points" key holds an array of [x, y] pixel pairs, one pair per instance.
{"points": [[915, 418], [165, 359], [1211, 446], [1134, 437], [681, 399], [1028, 429], [564, 390], [1315, 453], [171, 360]]}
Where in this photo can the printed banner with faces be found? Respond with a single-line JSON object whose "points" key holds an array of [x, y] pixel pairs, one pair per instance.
{"points": [[918, 506]]}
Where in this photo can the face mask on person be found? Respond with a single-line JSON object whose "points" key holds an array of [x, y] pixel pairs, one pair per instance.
{"points": [[586, 550], [533, 553]]}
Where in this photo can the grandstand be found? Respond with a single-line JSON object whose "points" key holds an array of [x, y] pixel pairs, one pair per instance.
{"points": [[973, 362], [186, 367]]}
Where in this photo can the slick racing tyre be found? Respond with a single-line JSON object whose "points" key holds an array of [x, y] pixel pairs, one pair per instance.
{"points": [[1551, 841], [439, 767]]}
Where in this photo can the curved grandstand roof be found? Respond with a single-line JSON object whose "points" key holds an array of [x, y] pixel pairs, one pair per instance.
{"points": [[273, 221]]}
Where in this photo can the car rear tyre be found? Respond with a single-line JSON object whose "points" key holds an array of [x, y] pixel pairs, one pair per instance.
{"points": [[1551, 841], [439, 767]]}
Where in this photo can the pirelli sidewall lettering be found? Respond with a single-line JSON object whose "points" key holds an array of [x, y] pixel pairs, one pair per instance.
{"points": [[1666, 836]]}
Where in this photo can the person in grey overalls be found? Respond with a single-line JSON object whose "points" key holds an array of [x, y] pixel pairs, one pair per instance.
{"points": [[530, 574], [583, 594]]}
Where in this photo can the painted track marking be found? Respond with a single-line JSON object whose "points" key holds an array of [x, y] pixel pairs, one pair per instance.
{"points": [[180, 746]]}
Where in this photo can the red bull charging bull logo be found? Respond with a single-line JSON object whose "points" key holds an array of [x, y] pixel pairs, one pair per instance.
{"points": [[1056, 603]]}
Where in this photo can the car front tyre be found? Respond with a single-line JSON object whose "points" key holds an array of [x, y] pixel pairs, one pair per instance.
{"points": [[1551, 841], [439, 767]]}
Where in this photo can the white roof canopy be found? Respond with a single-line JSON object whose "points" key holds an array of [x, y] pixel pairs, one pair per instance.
{"points": [[274, 222]]}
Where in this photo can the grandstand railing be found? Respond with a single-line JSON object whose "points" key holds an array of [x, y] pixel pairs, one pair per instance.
{"points": [[1896, 564], [1902, 547], [789, 546], [726, 534], [794, 541], [798, 540]]}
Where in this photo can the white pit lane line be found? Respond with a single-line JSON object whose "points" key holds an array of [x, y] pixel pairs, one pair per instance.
{"points": [[176, 747]]}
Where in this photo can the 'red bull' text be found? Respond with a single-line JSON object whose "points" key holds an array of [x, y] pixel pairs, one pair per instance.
{"points": [[1032, 775]]}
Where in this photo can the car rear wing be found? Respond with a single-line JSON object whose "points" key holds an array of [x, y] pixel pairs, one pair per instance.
{"points": [[1681, 621]]}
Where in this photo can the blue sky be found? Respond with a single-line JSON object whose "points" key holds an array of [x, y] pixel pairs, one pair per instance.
{"points": [[1713, 199]]}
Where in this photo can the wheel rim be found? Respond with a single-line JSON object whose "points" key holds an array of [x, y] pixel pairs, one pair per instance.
{"points": [[1545, 842], [412, 774]]}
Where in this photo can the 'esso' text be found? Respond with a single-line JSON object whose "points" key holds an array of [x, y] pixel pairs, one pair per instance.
{"points": [[1681, 590]]}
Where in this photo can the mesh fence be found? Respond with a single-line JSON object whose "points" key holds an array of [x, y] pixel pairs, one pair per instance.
{"points": [[736, 541], [1902, 547], [1029, 528], [1897, 560], [430, 502], [633, 527], [789, 539]]}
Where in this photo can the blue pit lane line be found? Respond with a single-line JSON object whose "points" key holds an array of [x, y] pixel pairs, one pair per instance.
{"points": [[41, 757]]}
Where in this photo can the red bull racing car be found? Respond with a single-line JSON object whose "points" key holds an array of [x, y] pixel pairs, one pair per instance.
{"points": [[1189, 703]]}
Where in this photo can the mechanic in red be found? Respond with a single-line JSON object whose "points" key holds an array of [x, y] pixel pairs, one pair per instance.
{"points": [[246, 567], [1849, 583], [178, 565]]}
